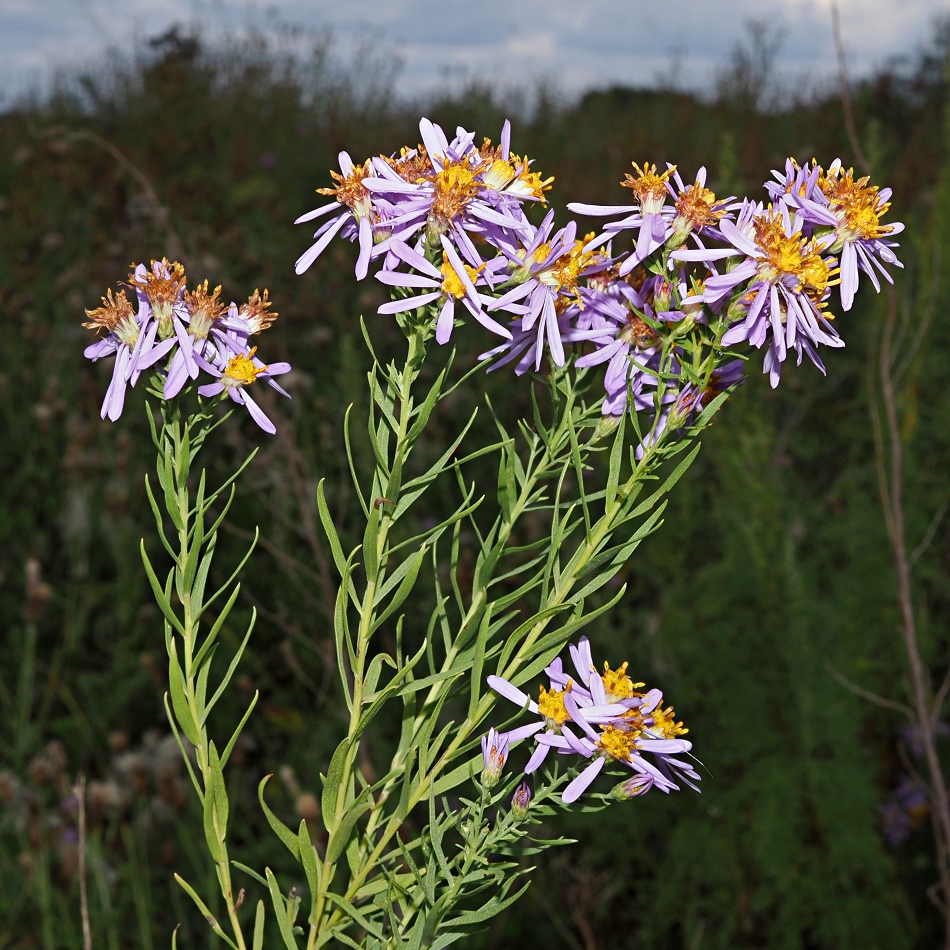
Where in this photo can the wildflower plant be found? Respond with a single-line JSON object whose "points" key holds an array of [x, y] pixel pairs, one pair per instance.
{"points": [[633, 339]]}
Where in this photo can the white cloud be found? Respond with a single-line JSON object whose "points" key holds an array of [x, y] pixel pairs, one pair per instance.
{"points": [[577, 43]]}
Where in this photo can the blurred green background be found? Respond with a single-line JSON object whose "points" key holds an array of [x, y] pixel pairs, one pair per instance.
{"points": [[769, 582]]}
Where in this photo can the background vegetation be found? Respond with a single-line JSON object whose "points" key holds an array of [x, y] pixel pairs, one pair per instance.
{"points": [[770, 581]]}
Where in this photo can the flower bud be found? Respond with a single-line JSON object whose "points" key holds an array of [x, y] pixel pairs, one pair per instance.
{"points": [[607, 425], [494, 754], [632, 788], [520, 801]]}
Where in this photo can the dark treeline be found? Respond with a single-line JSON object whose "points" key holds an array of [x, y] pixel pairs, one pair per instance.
{"points": [[769, 585]]}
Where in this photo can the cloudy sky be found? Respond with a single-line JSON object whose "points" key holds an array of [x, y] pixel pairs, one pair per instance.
{"points": [[570, 44]]}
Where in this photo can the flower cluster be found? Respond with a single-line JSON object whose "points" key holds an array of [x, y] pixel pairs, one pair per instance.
{"points": [[602, 717], [180, 333], [678, 273]]}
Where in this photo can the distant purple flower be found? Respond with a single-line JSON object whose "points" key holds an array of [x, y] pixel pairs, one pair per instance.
{"points": [[905, 809]]}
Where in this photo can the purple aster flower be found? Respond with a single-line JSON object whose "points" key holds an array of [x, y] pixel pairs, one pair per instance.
{"points": [[124, 339], [632, 787], [692, 399], [631, 346], [356, 212], [508, 176], [239, 373], [494, 756], [454, 283], [439, 189], [696, 212], [853, 209], [779, 289], [551, 709], [639, 724], [546, 271]]}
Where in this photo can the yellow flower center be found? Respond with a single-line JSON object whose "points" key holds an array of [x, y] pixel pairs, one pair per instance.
{"points": [[350, 190], [242, 370], [856, 203], [564, 273], [695, 207], [665, 724], [791, 255], [551, 705], [204, 308], [114, 316], [618, 743], [617, 684], [648, 187], [455, 186], [452, 283]]}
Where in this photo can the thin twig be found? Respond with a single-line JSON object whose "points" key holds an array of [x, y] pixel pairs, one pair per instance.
{"points": [[929, 536], [79, 792], [893, 499], [174, 245], [859, 155], [868, 695]]}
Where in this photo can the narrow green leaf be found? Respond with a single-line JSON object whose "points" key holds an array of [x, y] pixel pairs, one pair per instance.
{"points": [[308, 858], [616, 459], [341, 835], [329, 528], [237, 732], [280, 911], [223, 685], [176, 684], [202, 907], [259, 927], [331, 784], [277, 826], [159, 594]]}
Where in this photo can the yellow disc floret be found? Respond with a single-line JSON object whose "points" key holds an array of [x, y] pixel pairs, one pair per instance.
{"points": [[350, 190], [664, 723], [649, 188], [617, 743], [617, 684], [551, 705], [791, 255], [241, 370], [455, 186], [452, 283], [857, 204], [114, 316]]}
